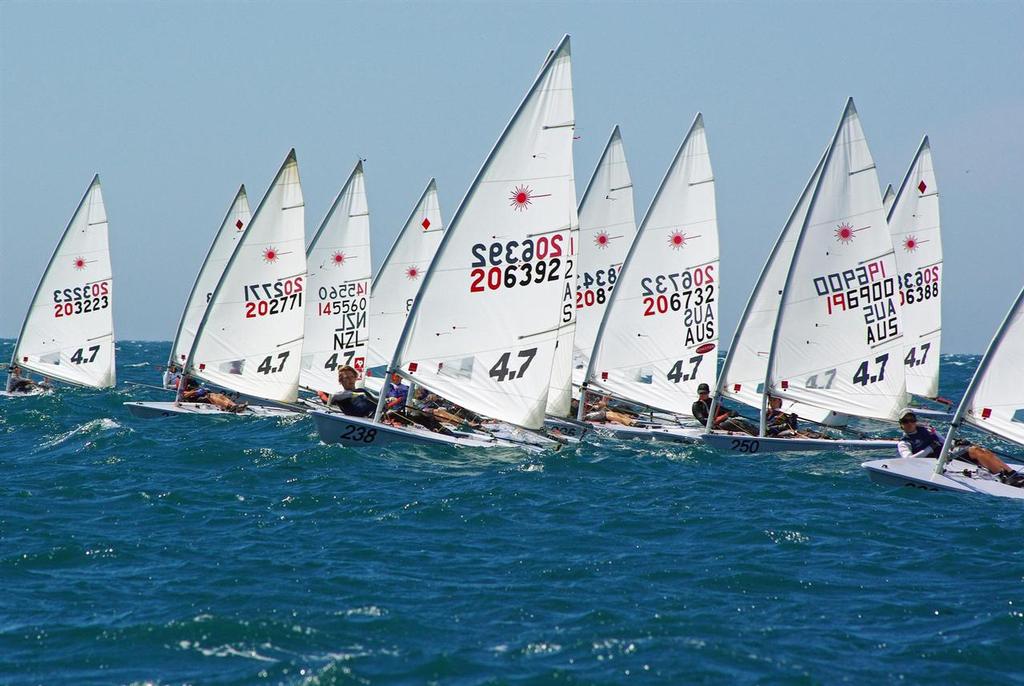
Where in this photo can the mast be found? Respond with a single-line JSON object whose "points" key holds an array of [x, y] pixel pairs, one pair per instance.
{"points": [[979, 374], [395, 363], [789, 275], [199, 274]]}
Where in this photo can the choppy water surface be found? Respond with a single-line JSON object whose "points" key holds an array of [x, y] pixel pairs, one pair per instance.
{"points": [[242, 551]]}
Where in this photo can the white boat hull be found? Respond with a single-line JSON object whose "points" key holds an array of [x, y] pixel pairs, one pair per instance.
{"points": [[667, 434], [334, 427], [920, 473], [743, 444], [155, 410]]}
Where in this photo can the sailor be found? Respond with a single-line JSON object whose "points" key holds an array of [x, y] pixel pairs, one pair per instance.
{"points": [[397, 394], [355, 402], [195, 393], [919, 440], [777, 422], [599, 412], [726, 420], [16, 383]]}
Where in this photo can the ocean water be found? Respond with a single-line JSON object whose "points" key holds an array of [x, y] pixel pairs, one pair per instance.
{"points": [[234, 551]]}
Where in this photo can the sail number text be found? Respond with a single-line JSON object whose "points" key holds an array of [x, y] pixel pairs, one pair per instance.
{"points": [[510, 264], [690, 292], [866, 288], [90, 297], [277, 297]]}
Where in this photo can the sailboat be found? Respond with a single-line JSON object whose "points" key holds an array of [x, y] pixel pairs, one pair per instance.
{"points": [[338, 288], [992, 403], [68, 332], [607, 226], [231, 229], [658, 338], [482, 331], [916, 237], [822, 328], [398, 280], [249, 339]]}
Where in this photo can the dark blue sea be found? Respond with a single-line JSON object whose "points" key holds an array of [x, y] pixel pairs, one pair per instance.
{"points": [[227, 551]]}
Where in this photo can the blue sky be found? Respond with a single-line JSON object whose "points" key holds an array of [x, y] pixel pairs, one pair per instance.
{"points": [[176, 103]]}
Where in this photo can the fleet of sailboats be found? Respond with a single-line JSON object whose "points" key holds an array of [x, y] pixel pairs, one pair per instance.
{"points": [[527, 303]]}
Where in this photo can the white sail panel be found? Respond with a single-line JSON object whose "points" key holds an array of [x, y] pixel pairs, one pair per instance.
{"points": [[887, 199], [68, 333], [607, 229], [398, 280], [917, 241], [482, 331], [659, 337], [560, 389], [250, 338], [994, 401], [231, 229], [746, 366], [839, 335], [340, 267]]}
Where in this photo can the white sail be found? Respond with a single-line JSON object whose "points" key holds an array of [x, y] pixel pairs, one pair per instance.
{"points": [[250, 337], [917, 240], [839, 336], [398, 280], [68, 333], [659, 336], [338, 287], [994, 401], [560, 388], [223, 245], [607, 229], [746, 365], [887, 198], [482, 331]]}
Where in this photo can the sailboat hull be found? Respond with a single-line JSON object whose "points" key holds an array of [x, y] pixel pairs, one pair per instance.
{"points": [[743, 444], [156, 410], [571, 430], [959, 477], [667, 434], [363, 432]]}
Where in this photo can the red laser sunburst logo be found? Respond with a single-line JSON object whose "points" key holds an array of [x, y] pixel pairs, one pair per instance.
{"points": [[412, 273], [338, 259], [270, 255], [844, 233], [910, 243], [521, 198], [677, 239], [79, 263], [602, 239]]}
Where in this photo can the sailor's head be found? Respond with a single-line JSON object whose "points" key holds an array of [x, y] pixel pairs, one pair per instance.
{"points": [[396, 378], [703, 390], [347, 377], [908, 421], [774, 403], [15, 370]]}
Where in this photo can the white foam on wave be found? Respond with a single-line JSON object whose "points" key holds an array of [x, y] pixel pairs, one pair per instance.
{"points": [[102, 424]]}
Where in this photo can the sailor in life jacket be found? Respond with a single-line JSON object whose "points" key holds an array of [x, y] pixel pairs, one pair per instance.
{"points": [[355, 402], [923, 441]]}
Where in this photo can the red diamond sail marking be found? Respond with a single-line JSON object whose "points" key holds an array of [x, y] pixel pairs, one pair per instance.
{"points": [[239, 225], [922, 186], [425, 224]]}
